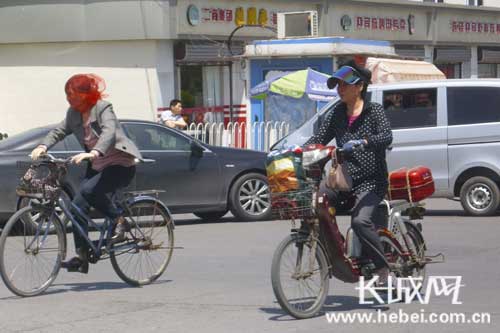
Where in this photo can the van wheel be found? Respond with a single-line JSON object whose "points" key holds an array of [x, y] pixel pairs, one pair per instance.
{"points": [[480, 196]]}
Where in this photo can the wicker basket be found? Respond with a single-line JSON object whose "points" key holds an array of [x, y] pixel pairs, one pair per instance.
{"points": [[40, 180]]}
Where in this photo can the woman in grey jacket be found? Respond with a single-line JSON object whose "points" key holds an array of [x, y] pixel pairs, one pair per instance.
{"points": [[111, 155]]}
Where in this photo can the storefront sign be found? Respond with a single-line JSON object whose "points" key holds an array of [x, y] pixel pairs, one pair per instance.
{"points": [[475, 27], [239, 16], [193, 15], [346, 23], [380, 23]]}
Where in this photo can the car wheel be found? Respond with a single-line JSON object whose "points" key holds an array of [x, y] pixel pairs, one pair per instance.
{"points": [[211, 216], [25, 201], [480, 196], [250, 198]]}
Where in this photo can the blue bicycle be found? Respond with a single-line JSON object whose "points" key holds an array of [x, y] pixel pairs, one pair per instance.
{"points": [[33, 242]]}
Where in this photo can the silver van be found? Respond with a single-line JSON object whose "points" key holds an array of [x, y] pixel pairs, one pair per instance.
{"points": [[451, 126]]}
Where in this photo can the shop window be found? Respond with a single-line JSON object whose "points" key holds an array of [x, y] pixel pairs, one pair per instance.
{"points": [[449, 70], [412, 108], [473, 105], [487, 71], [191, 86], [203, 86], [156, 138]]}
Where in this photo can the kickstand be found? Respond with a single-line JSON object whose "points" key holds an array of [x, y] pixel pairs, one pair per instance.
{"points": [[435, 259]]}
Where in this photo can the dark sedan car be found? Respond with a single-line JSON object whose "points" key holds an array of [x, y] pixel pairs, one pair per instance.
{"points": [[197, 178]]}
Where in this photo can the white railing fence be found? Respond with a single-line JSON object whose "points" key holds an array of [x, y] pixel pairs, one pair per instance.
{"points": [[257, 136]]}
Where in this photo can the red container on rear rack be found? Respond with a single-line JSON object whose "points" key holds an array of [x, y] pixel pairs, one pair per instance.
{"points": [[413, 184]]}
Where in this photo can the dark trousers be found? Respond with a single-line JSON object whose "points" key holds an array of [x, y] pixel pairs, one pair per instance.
{"points": [[95, 191], [363, 221]]}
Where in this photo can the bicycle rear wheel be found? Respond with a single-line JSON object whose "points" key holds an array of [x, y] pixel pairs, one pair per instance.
{"points": [[31, 254], [146, 253], [405, 267], [417, 247], [299, 277]]}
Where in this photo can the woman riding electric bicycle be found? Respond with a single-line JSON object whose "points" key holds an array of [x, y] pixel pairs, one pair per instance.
{"points": [[361, 128]]}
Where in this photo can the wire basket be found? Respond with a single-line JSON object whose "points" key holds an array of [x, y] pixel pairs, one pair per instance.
{"points": [[313, 173], [39, 180], [292, 205]]}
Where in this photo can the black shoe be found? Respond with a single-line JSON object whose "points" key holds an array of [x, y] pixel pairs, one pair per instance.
{"points": [[120, 231], [76, 264]]}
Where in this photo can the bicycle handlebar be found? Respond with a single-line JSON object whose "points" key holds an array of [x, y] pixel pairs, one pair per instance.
{"points": [[48, 157]]}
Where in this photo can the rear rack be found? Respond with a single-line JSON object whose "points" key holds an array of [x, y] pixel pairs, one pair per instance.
{"points": [[143, 192]]}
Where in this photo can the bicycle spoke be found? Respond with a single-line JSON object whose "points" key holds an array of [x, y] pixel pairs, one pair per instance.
{"points": [[30, 254], [151, 227]]}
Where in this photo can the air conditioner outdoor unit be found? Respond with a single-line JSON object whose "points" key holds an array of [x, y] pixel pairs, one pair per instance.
{"points": [[298, 24]]}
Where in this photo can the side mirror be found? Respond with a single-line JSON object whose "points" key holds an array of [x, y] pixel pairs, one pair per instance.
{"points": [[196, 149]]}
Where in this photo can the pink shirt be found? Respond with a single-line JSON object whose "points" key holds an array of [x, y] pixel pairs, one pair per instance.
{"points": [[112, 157], [351, 119]]}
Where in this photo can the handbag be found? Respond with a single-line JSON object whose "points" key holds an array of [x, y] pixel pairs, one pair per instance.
{"points": [[338, 177]]}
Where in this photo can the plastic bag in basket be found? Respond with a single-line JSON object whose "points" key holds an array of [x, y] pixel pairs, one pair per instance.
{"points": [[284, 170]]}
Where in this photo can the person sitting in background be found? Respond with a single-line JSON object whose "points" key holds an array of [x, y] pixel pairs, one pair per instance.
{"points": [[173, 118]]}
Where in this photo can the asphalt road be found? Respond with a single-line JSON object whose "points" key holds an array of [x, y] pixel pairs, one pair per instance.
{"points": [[220, 282]]}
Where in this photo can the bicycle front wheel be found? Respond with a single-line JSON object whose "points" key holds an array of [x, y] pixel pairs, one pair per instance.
{"points": [[146, 253], [299, 277], [31, 254]]}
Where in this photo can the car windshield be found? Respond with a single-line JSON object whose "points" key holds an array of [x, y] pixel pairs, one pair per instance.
{"points": [[304, 132], [24, 141]]}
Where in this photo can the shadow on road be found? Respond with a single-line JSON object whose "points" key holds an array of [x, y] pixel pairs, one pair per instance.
{"points": [[84, 287], [332, 304], [440, 212], [195, 221], [91, 286]]}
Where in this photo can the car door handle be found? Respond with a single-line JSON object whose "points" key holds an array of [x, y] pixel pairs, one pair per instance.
{"points": [[145, 159]]}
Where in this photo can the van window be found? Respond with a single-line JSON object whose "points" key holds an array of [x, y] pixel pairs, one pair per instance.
{"points": [[473, 105], [411, 108]]}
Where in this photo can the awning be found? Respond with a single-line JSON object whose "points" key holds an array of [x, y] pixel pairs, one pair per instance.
{"points": [[205, 52], [489, 55], [321, 46], [452, 55], [410, 51], [394, 70]]}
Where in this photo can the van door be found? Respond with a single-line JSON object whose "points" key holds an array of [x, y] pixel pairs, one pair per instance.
{"points": [[419, 131], [474, 134]]}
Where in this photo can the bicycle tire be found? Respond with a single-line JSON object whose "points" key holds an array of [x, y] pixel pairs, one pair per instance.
{"points": [[299, 241], [135, 253], [20, 225], [418, 250]]}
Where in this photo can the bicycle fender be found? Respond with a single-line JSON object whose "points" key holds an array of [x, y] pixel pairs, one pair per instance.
{"points": [[148, 198], [417, 232]]}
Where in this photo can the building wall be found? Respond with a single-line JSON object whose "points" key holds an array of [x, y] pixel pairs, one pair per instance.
{"points": [[60, 21], [43, 43], [455, 34], [32, 78], [486, 3]]}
